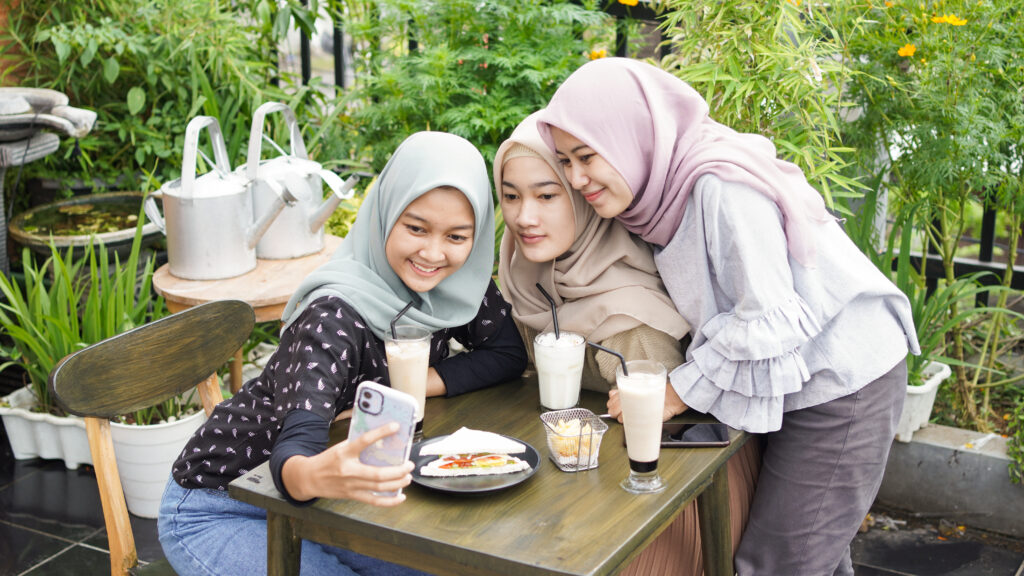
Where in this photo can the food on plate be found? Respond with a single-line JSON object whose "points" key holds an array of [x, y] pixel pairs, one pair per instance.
{"points": [[470, 452]]}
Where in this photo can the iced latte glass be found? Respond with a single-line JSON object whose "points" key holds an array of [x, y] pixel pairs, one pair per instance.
{"points": [[559, 368], [642, 395], [408, 351]]}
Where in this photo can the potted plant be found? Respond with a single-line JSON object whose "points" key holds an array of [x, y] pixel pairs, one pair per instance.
{"points": [[925, 372], [146, 444], [936, 311], [937, 90], [66, 303]]}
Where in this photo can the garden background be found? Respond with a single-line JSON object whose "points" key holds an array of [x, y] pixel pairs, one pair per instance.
{"points": [[906, 116]]}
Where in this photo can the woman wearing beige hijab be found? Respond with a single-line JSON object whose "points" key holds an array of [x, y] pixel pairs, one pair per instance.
{"points": [[602, 279], [606, 287]]}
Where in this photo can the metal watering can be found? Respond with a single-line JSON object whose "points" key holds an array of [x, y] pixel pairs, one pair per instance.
{"points": [[299, 230], [208, 221]]}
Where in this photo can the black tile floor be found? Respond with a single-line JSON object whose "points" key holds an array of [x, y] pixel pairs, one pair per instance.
{"points": [[51, 523]]}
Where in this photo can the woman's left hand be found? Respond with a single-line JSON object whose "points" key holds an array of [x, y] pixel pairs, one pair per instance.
{"points": [[673, 404]]}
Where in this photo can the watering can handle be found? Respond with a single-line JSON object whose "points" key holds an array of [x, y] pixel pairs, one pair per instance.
{"points": [[343, 190], [188, 162], [153, 213], [298, 148]]}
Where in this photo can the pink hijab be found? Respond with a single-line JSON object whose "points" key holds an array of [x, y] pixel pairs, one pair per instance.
{"points": [[654, 129]]}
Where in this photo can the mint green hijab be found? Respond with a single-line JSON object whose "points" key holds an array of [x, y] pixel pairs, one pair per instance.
{"points": [[359, 272]]}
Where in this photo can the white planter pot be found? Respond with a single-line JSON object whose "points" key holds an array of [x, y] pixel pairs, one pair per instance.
{"points": [[145, 455], [37, 435], [917, 408]]}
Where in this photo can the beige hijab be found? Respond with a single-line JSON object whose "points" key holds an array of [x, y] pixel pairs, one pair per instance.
{"points": [[605, 284]]}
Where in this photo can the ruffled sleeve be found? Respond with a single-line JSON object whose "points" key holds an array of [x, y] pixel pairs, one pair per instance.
{"points": [[745, 357], [744, 369]]}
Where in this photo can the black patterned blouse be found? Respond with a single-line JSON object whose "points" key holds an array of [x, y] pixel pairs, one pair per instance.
{"points": [[323, 355]]}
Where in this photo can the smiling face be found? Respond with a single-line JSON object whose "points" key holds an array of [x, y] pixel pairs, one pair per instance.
{"points": [[537, 209], [431, 239], [591, 175]]}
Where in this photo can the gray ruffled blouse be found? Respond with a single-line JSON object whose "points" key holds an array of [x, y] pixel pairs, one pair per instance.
{"points": [[772, 335]]}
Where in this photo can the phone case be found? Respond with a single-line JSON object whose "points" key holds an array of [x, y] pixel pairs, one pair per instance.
{"points": [[375, 406]]}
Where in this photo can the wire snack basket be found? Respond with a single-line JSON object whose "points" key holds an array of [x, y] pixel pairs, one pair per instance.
{"points": [[574, 438]]}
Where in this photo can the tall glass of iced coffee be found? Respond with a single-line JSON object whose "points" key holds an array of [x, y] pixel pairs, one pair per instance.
{"points": [[408, 351], [642, 395]]}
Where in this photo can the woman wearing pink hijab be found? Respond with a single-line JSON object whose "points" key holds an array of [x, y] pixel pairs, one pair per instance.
{"points": [[796, 335]]}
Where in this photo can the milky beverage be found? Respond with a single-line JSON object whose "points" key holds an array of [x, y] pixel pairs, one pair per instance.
{"points": [[642, 395], [559, 368], [408, 357]]}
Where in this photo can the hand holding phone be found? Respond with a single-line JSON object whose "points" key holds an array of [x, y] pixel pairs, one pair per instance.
{"points": [[375, 406]]}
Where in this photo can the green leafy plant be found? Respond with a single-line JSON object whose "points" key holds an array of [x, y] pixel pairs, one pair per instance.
{"points": [[478, 67], [340, 222], [939, 109], [147, 67], [936, 312], [1015, 447], [69, 302], [769, 68]]}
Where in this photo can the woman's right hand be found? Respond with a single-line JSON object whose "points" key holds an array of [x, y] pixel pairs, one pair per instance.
{"points": [[673, 404], [338, 473]]}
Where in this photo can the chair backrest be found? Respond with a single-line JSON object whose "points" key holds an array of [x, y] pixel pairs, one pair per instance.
{"points": [[138, 369]]}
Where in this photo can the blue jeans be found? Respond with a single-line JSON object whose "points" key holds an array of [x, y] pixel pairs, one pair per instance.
{"points": [[207, 533]]}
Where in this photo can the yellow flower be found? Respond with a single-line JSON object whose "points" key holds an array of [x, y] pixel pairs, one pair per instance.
{"points": [[907, 50], [595, 54], [949, 19], [973, 58], [793, 2], [629, 2], [889, 3]]}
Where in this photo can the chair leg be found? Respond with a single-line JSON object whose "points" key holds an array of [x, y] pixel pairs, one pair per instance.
{"points": [[236, 372], [123, 556], [210, 393]]}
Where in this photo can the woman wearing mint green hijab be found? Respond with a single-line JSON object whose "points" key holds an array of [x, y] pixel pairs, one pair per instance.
{"points": [[424, 234]]}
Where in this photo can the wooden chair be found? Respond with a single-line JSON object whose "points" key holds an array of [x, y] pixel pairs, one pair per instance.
{"points": [[135, 370]]}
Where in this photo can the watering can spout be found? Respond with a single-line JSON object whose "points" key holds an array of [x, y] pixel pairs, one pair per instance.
{"points": [[339, 191], [258, 228]]}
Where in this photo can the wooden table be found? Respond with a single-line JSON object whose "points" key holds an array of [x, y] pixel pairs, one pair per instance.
{"points": [[266, 288], [553, 523]]}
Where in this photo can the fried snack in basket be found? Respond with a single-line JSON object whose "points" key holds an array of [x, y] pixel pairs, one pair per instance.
{"points": [[572, 440]]}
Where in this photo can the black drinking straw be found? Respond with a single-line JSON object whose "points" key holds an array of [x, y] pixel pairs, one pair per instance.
{"points": [[554, 315], [397, 316], [625, 372]]}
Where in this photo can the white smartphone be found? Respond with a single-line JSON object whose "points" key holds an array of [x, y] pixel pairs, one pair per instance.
{"points": [[375, 406]]}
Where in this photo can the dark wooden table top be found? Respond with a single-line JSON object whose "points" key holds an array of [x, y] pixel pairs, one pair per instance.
{"points": [[553, 523]]}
